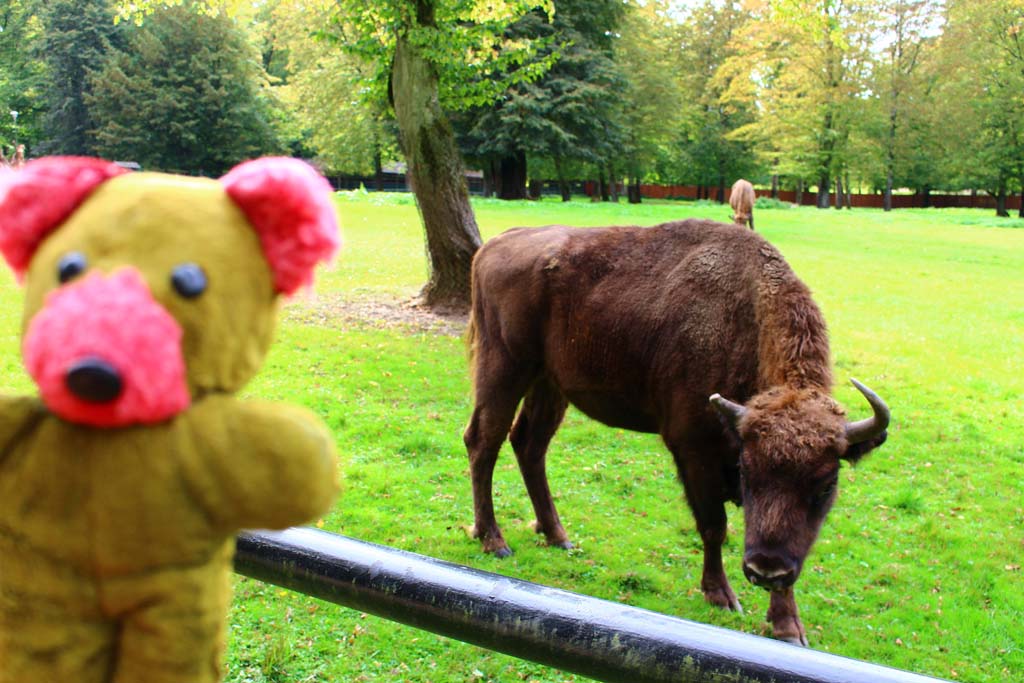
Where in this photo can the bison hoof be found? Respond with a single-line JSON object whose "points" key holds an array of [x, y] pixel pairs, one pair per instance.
{"points": [[564, 545], [800, 640], [724, 599], [502, 553], [790, 631]]}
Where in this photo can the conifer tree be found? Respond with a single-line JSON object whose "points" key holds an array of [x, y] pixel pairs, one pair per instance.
{"points": [[185, 94], [78, 37]]}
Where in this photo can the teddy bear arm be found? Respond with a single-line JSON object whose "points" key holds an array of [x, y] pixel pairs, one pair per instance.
{"points": [[283, 467]]}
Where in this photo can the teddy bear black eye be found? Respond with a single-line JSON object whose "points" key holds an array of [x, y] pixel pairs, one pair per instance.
{"points": [[70, 266], [189, 280]]}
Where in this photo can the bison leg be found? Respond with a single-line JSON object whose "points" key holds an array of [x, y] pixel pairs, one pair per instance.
{"points": [[785, 620], [703, 485], [538, 421], [499, 386]]}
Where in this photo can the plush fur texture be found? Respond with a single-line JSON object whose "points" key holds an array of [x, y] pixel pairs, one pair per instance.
{"points": [[122, 490], [130, 331], [40, 196], [288, 203]]}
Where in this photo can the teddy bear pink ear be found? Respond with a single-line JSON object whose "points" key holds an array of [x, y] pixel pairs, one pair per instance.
{"points": [[289, 205], [37, 198]]}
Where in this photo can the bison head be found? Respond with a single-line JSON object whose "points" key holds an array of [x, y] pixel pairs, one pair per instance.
{"points": [[793, 441]]}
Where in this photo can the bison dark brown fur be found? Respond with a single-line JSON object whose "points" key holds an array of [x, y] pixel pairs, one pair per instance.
{"points": [[638, 327]]}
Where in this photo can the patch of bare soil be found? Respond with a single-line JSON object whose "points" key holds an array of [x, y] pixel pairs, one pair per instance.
{"points": [[381, 313]]}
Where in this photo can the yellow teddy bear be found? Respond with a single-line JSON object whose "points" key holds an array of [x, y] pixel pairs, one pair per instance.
{"points": [[150, 299]]}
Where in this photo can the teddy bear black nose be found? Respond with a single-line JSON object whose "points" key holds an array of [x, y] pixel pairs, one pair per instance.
{"points": [[93, 380]]}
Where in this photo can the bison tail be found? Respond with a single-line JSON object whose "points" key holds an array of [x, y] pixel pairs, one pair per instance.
{"points": [[471, 335]]}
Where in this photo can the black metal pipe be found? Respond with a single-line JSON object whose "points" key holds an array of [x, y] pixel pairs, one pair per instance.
{"points": [[584, 635]]}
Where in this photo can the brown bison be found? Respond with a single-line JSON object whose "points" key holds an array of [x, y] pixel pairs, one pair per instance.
{"points": [[741, 199], [638, 327]]}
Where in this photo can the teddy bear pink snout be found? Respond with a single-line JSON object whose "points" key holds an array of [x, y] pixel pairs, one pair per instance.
{"points": [[105, 353]]}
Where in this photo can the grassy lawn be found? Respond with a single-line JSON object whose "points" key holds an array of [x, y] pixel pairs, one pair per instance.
{"points": [[918, 566]]}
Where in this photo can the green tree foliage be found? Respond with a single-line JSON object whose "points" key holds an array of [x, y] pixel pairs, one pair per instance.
{"points": [[889, 94], [432, 57], [714, 156], [902, 93], [22, 74], [78, 36], [982, 60], [654, 108], [186, 93], [570, 114], [324, 90], [803, 64]]}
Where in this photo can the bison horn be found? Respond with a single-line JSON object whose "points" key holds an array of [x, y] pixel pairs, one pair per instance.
{"points": [[733, 412], [869, 428]]}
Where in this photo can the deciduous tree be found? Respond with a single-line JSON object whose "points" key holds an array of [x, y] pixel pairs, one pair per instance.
{"points": [[982, 53], [653, 106], [322, 87], [430, 57], [717, 156], [803, 63], [907, 26], [23, 82]]}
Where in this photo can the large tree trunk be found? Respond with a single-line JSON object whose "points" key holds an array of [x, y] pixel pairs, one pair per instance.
{"points": [[800, 192], [887, 197], [890, 157], [436, 172], [535, 190], [378, 172], [563, 183], [1020, 176], [824, 190], [634, 191], [489, 177], [1001, 210], [826, 151], [513, 176]]}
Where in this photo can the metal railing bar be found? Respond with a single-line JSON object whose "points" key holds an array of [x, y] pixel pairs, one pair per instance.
{"points": [[576, 633]]}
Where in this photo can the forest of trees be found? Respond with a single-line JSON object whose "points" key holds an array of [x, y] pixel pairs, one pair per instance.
{"points": [[874, 95]]}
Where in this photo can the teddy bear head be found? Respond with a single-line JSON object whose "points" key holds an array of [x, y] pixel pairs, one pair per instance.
{"points": [[146, 291]]}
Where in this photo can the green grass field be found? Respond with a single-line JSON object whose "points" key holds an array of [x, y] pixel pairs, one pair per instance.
{"points": [[918, 566]]}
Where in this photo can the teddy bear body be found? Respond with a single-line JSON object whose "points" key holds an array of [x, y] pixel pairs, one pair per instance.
{"points": [[121, 490], [113, 521]]}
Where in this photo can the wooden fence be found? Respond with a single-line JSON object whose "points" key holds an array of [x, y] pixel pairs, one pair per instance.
{"points": [[899, 201]]}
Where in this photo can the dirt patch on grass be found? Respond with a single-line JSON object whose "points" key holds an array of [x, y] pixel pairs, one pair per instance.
{"points": [[379, 313]]}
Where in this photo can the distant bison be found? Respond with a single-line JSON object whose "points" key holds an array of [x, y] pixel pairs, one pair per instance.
{"points": [[638, 327], [741, 199]]}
